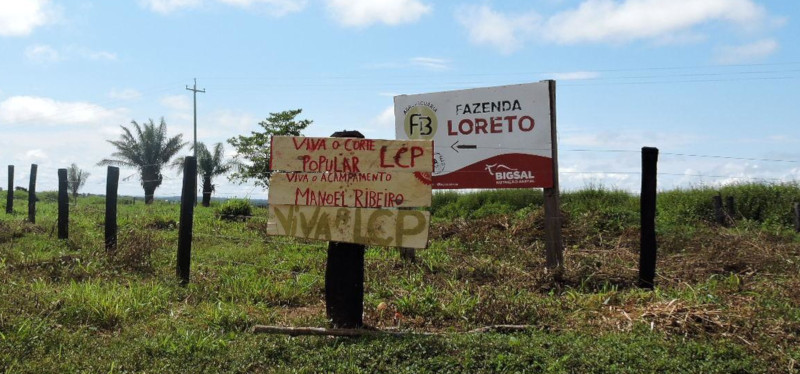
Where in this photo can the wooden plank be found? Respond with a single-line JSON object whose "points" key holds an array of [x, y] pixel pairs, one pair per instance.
{"points": [[316, 155], [384, 227], [359, 190]]}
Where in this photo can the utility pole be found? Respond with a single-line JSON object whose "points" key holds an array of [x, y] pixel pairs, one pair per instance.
{"points": [[195, 91]]}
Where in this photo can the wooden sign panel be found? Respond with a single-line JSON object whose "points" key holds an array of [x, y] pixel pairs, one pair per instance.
{"points": [[349, 155], [338, 189], [385, 227], [359, 190]]}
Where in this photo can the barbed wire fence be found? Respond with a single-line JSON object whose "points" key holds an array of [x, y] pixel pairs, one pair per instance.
{"points": [[171, 192]]}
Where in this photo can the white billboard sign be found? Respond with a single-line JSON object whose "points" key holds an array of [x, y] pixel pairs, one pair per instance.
{"points": [[495, 137]]}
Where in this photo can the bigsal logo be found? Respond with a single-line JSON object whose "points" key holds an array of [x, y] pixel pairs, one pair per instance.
{"points": [[504, 173]]}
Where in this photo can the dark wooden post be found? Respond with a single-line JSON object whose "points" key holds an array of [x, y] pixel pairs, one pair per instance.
{"points": [[554, 246], [32, 195], [344, 276], [797, 217], [63, 205], [112, 182], [719, 212], [188, 198], [408, 254], [730, 210], [10, 194], [647, 254]]}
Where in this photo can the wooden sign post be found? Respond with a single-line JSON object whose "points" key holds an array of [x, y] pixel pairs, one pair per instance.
{"points": [[351, 192]]}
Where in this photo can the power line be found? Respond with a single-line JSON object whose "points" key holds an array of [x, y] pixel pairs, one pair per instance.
{"points": [[729, 157]]}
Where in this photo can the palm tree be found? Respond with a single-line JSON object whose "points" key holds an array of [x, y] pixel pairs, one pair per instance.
{"points": [[209, 165], [147, 150], [76, 178]]}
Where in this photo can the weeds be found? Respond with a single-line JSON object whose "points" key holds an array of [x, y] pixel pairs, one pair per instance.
{"points": [[726, 299]]}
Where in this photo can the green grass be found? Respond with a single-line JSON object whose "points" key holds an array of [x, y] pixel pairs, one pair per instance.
{"points": [[726, 300]]}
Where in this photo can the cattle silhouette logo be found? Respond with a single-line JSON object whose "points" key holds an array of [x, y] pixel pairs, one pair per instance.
{"points": [[507, 175], [494, 168]]}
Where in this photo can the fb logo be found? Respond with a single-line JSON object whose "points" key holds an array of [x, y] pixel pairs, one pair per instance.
{"points": [[420, 122], [423, 122]]}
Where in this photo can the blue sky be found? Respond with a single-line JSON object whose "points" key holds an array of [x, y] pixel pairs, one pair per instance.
{"points": [[691, 77]]}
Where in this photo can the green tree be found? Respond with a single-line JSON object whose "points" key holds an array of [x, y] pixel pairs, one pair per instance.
{"points": [[76, 178], [209, 165], [147, 149], [253, 151]]}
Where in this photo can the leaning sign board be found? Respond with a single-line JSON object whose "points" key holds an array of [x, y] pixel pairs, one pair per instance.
{"points": [[349, 189], [495, 137]]}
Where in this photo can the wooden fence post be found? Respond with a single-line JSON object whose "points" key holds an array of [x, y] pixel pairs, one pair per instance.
{"points": [[112, 182], [344, 276], [63, 205], [719, 212], [188, 198], [797, 217], [730, 209], [10, 194], [408, 254], [647, 254], [32, 195], [554, 245]]}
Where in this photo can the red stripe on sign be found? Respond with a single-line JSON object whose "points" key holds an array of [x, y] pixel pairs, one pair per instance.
{"points": [[511, 170]]}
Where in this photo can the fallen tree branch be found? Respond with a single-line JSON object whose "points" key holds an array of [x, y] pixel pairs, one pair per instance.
{"points": [[321, 331], [501, 328]]}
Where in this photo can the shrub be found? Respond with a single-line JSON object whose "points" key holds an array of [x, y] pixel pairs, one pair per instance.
{"points": [[161, 223], [135, 249], [235, 210], [449, 205]]}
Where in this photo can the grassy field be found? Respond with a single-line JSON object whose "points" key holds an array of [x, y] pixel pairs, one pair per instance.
{"points": [[727, 299]]}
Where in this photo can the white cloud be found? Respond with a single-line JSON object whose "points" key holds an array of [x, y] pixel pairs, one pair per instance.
{"points": [[42, 54], [100, 55], [35, 155], [381, 126], [21, 17], [169, 6], [610, 21], [274, 7], [614, 21], [386, 118], [362, 13], [507, 33], [746, 53], [575, 75], [427, 63], [624, 139], [224, 124], [126, 94], [179, 103], [31, 110], [430, 63]]}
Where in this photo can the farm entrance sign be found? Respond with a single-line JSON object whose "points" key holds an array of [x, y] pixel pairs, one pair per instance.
{"points": [[495, 137], [351, 190]]}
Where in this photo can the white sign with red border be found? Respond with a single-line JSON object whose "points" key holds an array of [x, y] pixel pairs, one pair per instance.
{"points": [[494, 137]]}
